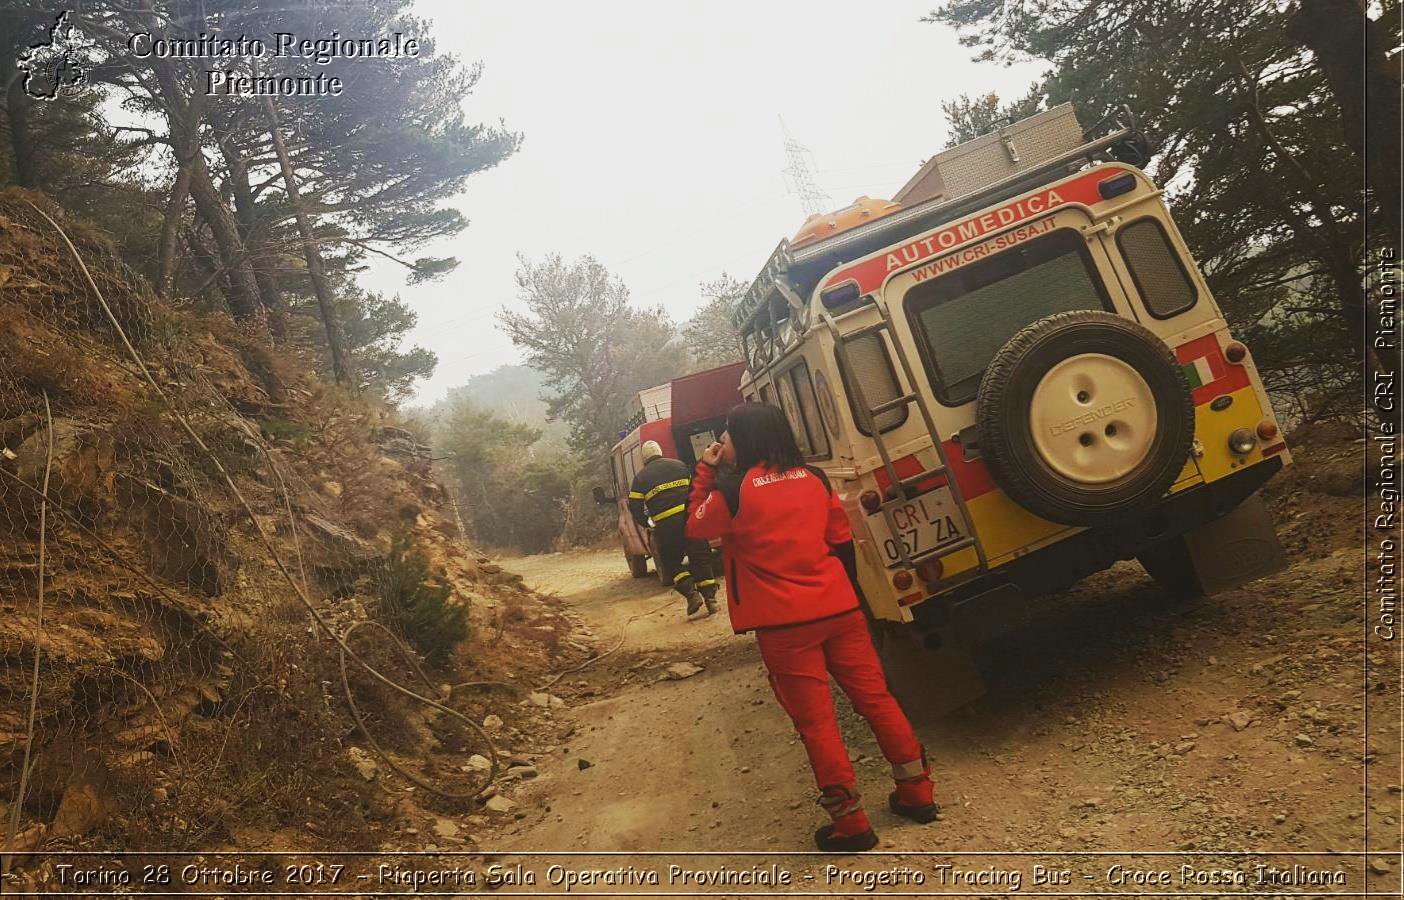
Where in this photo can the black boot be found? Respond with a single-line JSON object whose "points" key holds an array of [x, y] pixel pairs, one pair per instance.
{"points": [[850, 831]]}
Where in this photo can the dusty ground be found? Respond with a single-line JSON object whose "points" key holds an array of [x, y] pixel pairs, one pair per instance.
{"points": [[1117, 723], [1107, 727]]}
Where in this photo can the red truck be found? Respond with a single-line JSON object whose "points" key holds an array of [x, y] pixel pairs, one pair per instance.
{"points": [[684, 416]]}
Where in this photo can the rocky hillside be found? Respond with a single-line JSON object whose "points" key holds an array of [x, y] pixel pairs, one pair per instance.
{"points": [[185, 687]]}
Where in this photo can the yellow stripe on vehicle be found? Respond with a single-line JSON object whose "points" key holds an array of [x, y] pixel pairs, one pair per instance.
{"points": [[681, 482], [673, 511], [1003, 527], [1212, 427], [1007, 531]]}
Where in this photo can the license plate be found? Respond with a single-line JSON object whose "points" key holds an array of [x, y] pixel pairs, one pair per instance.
{"points": [[924, 523]]}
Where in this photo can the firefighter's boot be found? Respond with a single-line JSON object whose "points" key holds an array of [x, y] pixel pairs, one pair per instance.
{"points": [[913, 797], [694, 603], [709, 596], [850, 831]]}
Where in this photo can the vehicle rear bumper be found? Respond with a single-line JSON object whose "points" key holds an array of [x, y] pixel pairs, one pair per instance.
{"points": [[1057, 566]]}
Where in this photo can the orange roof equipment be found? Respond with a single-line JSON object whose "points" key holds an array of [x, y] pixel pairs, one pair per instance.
{"points": [[859, 212]]}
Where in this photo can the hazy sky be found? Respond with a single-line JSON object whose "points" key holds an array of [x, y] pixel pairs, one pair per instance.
{"points": [[652, 141]]}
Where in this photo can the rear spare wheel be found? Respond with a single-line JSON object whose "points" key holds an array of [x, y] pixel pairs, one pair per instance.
{"points": [[1084, 416]]}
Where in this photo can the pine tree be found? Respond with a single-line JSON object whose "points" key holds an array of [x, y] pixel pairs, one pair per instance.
{"points": [[1249, 149]]}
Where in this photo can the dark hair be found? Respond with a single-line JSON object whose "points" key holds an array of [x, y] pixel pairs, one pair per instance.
{"points": [[760, 433]]}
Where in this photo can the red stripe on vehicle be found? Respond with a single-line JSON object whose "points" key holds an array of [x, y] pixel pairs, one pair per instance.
{"points": [[906, 467], [973, 477], [872, 272]]}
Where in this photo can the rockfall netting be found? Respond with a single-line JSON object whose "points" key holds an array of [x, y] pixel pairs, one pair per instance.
{"points": [[162, 664]]}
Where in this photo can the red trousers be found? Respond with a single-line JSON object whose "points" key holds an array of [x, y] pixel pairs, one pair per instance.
{"points": [[801, 658]]}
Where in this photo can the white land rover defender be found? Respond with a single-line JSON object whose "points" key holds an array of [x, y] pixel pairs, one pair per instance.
{"points": [[1015, 375]]}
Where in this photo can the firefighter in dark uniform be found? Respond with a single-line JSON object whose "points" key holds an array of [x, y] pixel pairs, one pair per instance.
{"points": [[659, 492]]}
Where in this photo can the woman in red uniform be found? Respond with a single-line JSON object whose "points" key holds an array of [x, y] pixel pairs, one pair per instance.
{"points": [[790, 576]]}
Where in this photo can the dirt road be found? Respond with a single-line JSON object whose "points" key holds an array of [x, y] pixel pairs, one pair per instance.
{"points": [[1116, 719]]}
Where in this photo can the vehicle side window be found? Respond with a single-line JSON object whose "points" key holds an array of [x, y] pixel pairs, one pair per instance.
{"points": [[1156, 268], [809, 410], [786, 389], [802, 411], [872, 367]]}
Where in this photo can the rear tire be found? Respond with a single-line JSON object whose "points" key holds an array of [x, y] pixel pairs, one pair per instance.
{"points": [[638, 565], [1169, 564]]}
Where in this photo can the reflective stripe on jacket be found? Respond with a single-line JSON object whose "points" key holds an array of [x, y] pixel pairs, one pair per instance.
{"points": [[659, 490], [779, 532]]}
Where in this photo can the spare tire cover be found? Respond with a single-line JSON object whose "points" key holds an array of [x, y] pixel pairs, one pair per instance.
{"points": [[1084, 416]]}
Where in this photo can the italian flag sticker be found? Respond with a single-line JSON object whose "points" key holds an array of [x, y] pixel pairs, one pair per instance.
{"points": [[1198, 372]]}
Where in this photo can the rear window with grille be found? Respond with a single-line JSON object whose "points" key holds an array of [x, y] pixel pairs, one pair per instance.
{"points": [[1156, 268], [872, 367], [961, 319]]}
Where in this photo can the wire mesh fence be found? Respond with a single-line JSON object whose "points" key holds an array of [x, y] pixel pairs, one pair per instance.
{"points": [[179, 562]]}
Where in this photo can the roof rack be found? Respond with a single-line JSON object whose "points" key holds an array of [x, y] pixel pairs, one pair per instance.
{"points": [[789, 275]]}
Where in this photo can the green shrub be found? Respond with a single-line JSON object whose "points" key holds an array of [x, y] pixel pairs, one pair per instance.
{"points": [[414, 603], [284, 429]]}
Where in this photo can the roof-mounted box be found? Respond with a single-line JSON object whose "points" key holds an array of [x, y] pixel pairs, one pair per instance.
{"points": [[991, 158]]}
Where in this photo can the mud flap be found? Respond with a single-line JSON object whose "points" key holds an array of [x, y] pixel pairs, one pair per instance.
{"points": [[927, 682], [1237, 548]]}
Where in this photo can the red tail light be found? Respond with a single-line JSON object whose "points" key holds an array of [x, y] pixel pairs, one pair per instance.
{"points": [[870, 501], [930, 570], [1267, 429], [1235, 352]]}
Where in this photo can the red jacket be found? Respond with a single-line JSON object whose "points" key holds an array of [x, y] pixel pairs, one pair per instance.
{"points": [[779, 531]]}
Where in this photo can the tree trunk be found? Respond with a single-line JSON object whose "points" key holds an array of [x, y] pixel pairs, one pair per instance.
{"points": [[247, 221], [175, 208], [341, 363], [1351, 52], [243, 291], [183, 119], [203, 260], [17, 111]]}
